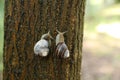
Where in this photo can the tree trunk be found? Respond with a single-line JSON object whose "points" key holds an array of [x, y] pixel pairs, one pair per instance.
{"points": [[25, 22]]}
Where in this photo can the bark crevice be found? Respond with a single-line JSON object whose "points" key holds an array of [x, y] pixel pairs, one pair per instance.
{"points": [[24, 23]]}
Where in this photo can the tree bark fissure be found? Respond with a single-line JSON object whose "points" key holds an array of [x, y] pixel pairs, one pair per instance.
{"points": [[25, 22]]}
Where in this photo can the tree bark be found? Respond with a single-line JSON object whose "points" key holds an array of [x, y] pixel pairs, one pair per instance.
{"points": [[25, 22]]}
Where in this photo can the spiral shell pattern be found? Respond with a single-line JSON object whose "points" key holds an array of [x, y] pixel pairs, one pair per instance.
{"points": [[62, 50]]}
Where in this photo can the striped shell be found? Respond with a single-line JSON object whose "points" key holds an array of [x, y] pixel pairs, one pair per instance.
{"points": [[62, 50]]}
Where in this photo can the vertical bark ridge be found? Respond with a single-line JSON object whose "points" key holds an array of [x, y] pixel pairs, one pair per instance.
{"points": [[25, 22]]}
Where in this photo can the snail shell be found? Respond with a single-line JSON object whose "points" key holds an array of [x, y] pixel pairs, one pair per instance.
{"points": [[61, 48], [42, 46]]}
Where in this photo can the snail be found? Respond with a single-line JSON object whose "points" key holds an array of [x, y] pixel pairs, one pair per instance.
{"points": [[41, 48], [61, 48]]}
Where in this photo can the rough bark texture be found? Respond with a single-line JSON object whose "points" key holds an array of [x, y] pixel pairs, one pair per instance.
{"points": [[25, 22]]}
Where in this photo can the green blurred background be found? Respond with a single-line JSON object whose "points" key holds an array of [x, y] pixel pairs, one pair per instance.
{"points": [[1, 32], [101, 44], [1, 35]]}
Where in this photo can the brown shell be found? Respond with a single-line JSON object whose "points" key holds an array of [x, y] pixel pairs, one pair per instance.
{"points": [[60, 49]]}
